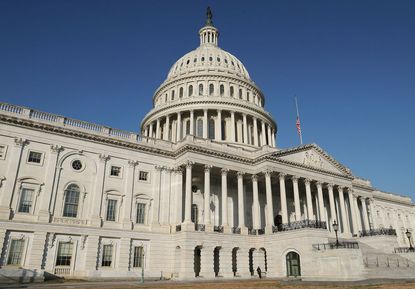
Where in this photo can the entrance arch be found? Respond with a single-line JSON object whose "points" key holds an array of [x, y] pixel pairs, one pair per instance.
{"points": [[293, 264], [235, 260], [216, 266], [251, 261], [196, 259]]}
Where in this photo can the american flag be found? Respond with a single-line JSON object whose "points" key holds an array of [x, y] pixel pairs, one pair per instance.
{"points": [[298, 125]]}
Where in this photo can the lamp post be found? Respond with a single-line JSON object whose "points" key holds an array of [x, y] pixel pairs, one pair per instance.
{"points": [[142, 266], [336, 228], [409, 235]]}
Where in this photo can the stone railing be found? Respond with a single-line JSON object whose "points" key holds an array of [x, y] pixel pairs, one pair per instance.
{"points": [[404, 250], [334, 245], [178, 228], [300, 225], [236, 230], [199, 227], [252, 231], [377, 232], [218, 229]]}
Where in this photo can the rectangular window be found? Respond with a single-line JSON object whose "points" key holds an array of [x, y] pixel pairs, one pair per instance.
{"points": [[64, 254], [111, 210], [141, 212], [106, 256], [35, 157], [115, 171], [16, 252], [143, 176], [138, 257], [2, 152], [25, 201]]}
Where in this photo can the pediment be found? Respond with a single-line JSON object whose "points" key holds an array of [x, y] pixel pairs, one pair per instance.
{"points": [[312, 156]]}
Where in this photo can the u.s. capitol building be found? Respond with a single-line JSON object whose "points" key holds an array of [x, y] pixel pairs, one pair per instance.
{"points": [[202, 192]]}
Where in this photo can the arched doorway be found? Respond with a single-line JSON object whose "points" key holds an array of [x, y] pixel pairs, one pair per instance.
{"points": [[278, 221], [196, 259], [293, 264], [216, 261], [234, 261], [251, 261]]}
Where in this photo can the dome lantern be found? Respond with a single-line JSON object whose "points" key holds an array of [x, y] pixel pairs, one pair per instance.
{"points": [[208, 33]]}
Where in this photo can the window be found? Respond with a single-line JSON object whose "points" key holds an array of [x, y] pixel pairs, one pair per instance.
{"points": [[141, 213], [3, 149], [221, 90], [111, 210], [115, 171], [77, 165], [181, 92], [26, 198], [190, 90], [231, 91], [240, 93], [203, 59], [138, 257], [172, 95], [200, 127], [106, 256], [187, 127], [70, 208], [211, 89], [143, 176], [16, 252], [64, 255], [211, 128], [200, 89], [194, 215], [35, 157], [223, 130], [248, 96]]}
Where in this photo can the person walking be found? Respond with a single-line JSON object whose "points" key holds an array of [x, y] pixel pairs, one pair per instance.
{"points": [[259, 272]]}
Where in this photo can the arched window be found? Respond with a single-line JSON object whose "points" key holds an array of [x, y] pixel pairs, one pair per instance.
{"points": [[211, 89], [200, 89], [211, 128], [223, 130], [293, 264], [190, 90], [248, 96], [181, 92], [231, 91], [172, 95], [240, 93], [70, 208], [221, 89], [187, 127], [199, 127]]}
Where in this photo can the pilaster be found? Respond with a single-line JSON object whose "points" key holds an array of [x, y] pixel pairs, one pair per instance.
{"points": [[96, 218]]}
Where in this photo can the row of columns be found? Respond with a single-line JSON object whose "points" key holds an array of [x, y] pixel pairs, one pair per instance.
{"points": [[341, 216], [163, 128]]}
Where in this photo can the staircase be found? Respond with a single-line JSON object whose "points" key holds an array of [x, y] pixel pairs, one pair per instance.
{"points": [[381, 265]]}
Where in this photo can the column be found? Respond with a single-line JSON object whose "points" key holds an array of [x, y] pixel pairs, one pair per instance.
{"points": [[372, 214], [232, 126], [166, 132], [364, 211], [188, 197], [270, 208], [284, 211], [357, 212], [255, 203], [273, 138], [255, 131], [321, 202], [179, 127], [269, 135], [179, 195], [310, 212], [205, 123], [345, 224], [129, 191], [146, 131], [245, 129], [96, 219], [11, 176], [332, 206], [225, 197], [150, 134], [156, 196], [241, 201], [218, 135], [264, 137], [352, 212], [206, 213], [158, 131], [44, 211], [296, 198], [192, 123]]}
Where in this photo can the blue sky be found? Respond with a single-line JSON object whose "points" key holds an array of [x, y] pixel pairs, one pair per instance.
{"points": [[351, 64]]}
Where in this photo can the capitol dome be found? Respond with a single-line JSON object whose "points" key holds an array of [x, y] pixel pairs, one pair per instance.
{"points": [[209, 94]]}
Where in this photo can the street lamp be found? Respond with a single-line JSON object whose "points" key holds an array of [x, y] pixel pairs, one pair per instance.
{"points": [[336, 228], [142, 264], [409, 235]]}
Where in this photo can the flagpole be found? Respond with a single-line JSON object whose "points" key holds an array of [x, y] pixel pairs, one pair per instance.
{"points": [[298, 117]]}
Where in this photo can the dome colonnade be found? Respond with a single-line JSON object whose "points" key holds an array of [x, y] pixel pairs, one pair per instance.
{"points": [[209, 94]]}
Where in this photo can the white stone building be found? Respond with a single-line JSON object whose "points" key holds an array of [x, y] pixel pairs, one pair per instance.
{"points": [[203, 191]]}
